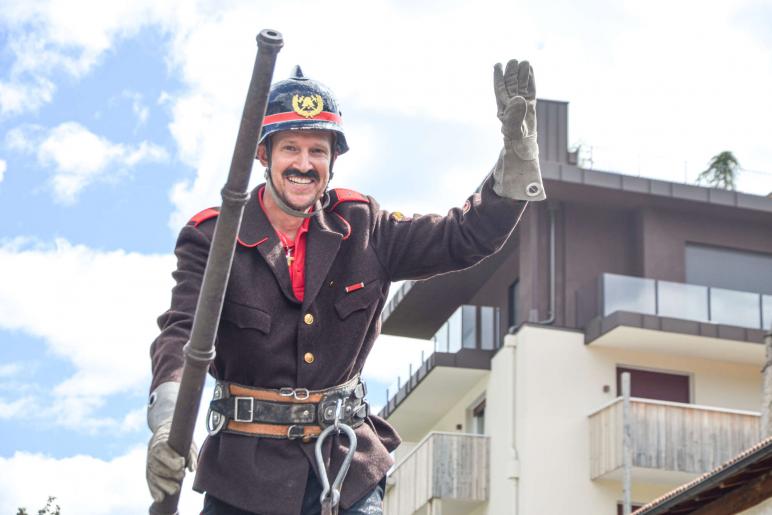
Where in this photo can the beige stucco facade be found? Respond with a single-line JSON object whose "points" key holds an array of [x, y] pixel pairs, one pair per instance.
{"points": [[543, 384]]}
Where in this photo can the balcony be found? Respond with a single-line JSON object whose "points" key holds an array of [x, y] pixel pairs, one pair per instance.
{"points": [[446, 471], [430, 386], [672, 442], [661, 316]]}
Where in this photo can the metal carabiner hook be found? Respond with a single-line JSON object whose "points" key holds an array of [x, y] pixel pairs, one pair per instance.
{"points": [[338, 409], [331, 494]]}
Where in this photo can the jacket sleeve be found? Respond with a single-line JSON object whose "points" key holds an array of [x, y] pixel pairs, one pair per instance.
{"points": [[427, 245], [176, 323]]}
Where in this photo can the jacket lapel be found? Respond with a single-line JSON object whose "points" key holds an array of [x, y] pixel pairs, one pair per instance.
{"points": [[321, 249], [257, 231]]}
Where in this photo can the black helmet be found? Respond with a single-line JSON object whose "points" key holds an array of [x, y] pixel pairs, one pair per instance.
{"points": [[299, 103]]}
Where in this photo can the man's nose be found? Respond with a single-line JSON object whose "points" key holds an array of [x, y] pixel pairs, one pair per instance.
{"points": [[303, 161]]}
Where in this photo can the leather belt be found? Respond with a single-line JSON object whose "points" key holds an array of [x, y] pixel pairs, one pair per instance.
{"points": [[285, 412]]}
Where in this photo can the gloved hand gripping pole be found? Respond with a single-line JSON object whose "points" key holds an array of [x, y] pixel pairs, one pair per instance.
{"points": [[199, 351], [330, 497]]}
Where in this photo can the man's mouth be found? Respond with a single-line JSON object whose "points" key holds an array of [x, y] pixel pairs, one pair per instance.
{"points": [[299, 180], [297, 177]]}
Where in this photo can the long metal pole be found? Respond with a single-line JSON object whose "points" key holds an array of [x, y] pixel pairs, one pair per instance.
{"points": [[199, 351], [627, 446]]}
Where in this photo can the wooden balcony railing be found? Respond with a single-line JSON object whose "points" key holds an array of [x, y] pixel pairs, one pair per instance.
{"points": [[669, 436], [447, 466]]}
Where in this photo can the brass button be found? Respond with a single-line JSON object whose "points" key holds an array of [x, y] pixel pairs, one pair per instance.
{"points": [[308, 319], [308, 358], [332, 283]]}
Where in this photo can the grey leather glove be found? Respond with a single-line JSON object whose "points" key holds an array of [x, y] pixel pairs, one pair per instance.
{"points": [[165, 467], [517, 174]]}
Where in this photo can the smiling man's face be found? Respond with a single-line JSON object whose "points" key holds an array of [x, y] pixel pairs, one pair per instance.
{"points": [[300, 165]]}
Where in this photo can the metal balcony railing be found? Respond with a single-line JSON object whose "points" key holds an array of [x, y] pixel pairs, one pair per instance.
{"points": [[675, 300], [469, 327]]}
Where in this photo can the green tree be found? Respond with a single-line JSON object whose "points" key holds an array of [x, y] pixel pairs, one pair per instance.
{"points": [[49, 509], [722, 171]]}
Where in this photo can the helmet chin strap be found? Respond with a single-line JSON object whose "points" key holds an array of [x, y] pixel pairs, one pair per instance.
{"points": [[318, 206]]}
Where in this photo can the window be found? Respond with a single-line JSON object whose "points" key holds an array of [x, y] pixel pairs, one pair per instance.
{"points": [[512, 304], [478, 418], [662, 386], [731, 269]]}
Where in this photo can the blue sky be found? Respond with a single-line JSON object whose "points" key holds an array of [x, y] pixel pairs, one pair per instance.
{"points": [[117, 123]]}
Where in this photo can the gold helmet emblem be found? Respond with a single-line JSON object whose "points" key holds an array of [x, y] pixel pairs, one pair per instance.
{"points": [[307, 106]]}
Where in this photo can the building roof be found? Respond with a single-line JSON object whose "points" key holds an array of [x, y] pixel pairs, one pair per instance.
{"points": [[742, 470]]}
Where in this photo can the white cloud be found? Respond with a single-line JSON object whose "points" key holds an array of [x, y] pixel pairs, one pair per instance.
{"points": [[78, 157], [49, 37], [3, 168], [15, 408], [16, 97], [83, 485], [95, 310], [643, 88], [10, 369], [138, 107]]}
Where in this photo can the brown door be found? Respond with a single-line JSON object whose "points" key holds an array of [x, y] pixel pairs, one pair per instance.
{"points": [[661, 386]]}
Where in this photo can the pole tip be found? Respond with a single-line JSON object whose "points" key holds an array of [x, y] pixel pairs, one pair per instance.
{"points": [[270, 38]]}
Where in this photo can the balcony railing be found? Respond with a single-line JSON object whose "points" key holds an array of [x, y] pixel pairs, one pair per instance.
{"points": [[675, 300], [469, 327], [669, 437], [447, 466]]}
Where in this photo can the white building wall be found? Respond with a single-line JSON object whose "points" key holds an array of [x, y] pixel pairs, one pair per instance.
{"points": [[543, 384], [559, 381], [500, 426], [458, 414]]}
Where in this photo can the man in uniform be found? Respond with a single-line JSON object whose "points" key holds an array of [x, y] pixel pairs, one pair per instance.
{"points": [[310, 276]]}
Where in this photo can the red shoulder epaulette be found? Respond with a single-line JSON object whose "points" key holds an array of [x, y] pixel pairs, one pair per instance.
{"points": [[203, 216], [341, 195]]}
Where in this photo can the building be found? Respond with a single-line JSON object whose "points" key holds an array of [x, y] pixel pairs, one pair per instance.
{"points": [[517, 410]]}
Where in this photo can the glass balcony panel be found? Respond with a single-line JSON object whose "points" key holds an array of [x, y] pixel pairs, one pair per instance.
{"points": [[454, 331], [623, 293], [735, 308], [469, 327], [441, 339], [687, 301], [497, 328], [767, 312], [488, 326]]}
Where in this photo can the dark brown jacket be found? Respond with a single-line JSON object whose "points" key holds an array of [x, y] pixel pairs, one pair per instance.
{"points": [[262, 336]]}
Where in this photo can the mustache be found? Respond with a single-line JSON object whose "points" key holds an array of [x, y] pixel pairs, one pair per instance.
{"points": [[294, 171]]}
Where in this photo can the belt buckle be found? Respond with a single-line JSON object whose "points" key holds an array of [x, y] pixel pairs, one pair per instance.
{"points": [[300, 394], [292, 432], [237, 409]]}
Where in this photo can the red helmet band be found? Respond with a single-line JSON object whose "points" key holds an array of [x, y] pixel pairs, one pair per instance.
{"points": [[292, 116]]}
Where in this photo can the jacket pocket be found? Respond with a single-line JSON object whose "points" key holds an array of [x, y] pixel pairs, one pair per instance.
{"points": [[358, 299], [246, 317]]}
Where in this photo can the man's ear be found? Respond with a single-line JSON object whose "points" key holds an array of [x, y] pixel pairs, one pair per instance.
{"points": [[262, 154]]}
